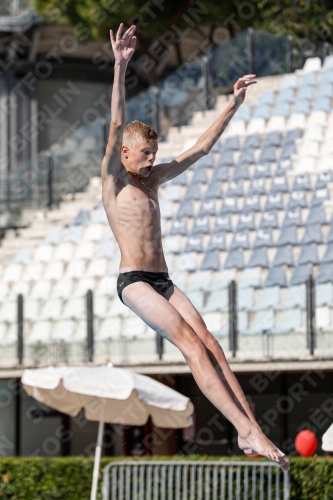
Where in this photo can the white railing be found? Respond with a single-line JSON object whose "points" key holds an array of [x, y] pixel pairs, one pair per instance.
{"points": [[195, 480]]}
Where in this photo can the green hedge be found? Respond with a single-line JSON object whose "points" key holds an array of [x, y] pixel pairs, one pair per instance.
{"points": [[70, 478]]}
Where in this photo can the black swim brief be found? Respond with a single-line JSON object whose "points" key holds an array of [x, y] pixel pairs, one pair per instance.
{"points": [[160, 281]]}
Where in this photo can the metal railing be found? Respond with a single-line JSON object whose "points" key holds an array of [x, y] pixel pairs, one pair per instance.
{"points": [[193, 480]]}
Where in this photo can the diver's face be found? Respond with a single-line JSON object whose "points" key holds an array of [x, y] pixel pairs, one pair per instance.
{"points": [[140, 156]]}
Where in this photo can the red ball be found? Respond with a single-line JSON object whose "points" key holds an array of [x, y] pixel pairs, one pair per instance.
{"points": [[306, 443]]}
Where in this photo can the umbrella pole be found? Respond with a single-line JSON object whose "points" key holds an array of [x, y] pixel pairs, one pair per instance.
{"points": [[97, 460]]}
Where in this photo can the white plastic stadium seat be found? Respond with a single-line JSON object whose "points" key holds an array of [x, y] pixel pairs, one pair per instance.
{"points": [[108, 328], [43, 253], [93, 232], [97, 268], [74, 308], [133, 327], [85, 250], [312, 64], [40, 331], [51, 308], [64, 252], [33, 271], [54, 270], [40, 289], [32, 309], [12, 272]]}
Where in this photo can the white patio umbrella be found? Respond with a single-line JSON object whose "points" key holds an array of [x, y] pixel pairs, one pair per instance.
{"points": [[108, 394], [327, 439]]}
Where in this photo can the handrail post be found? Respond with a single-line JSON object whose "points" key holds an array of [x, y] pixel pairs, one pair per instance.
{"points": [[310, 314], [233, 317], [90, 325]]}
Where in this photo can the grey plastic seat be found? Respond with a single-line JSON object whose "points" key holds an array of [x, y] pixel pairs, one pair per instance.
{"points": [[322, 104], [262, 111], [268, 297], [328, 257], [23, 255], [200, 175], [302, 106], [217, 242], [292, 135], [53, 236], [74, 234], [282, 109], [276, 277], [251, 203], [269, 220], [186, 209], [229, 206], [226, 159], [257, 187], [214, 190], [293, 218], [193, 192], [235, 189], [302, 182], [300, 275], [250, 277], [324, 294], [323, 179], [309, 254], [200, 226], [208, 207], [179, 226], [180, 179], [220, 174], [267, 97], [262, 170], [316, 215], [295, 297], [267, 154], [264, 238], [243, 113], [279, 185], [207, 161], [284, 166], [258, 258], [231, 143], [319, 196], [222, 223], [329, 238], [246, 221], [217, 301], [210, 261], [240, 240], [288, 236], [297, 199], [284, 257], [306, 93], [83, 217], [245, 298], [325, 89], [309, 80], [241, 172], [246, 156], [252, 141], [274, 202], [194, 244], [263, 321], [290, 319], [287, 151], [325, 274], [234, 259], [272, 139], [312, 234], [286, 95]]}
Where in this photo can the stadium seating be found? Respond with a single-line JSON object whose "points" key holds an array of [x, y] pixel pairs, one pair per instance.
{"points": [[257, 210]]}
